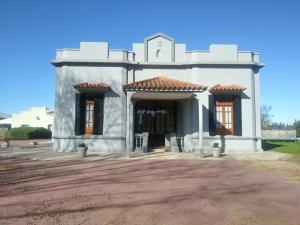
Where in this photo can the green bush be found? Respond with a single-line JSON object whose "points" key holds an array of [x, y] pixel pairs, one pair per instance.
{"points": [[24, 133], [298, 132]]}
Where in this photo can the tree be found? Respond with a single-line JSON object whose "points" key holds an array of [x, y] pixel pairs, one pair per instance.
{"points": [[297, 124], [266, 116], [297, 127]]}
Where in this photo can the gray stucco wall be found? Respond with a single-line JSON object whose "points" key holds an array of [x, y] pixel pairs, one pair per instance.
{"points": [[113, 137], [94, 63]]}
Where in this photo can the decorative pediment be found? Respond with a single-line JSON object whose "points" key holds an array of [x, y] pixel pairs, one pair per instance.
{"points": [[159, 48]]}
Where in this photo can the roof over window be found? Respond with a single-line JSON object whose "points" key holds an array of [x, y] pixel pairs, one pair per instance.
{"points": [[92, 86], [162, 83], [226, 88]]}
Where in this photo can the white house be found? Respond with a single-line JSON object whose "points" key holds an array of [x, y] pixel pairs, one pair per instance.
{"points": [[3, 116], [5, 125], [157, 95], [33, 117]]}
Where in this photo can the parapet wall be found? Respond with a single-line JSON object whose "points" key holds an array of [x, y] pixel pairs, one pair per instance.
{"points": [[94, 51], [157, 48]]}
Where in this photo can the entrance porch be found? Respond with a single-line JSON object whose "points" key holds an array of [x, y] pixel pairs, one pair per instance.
{"points": [[164, 117], [159, 123]]}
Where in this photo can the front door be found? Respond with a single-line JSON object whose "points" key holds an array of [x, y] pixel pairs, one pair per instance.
{"points": [[158, 118]]}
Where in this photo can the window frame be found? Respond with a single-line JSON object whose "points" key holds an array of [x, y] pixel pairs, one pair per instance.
{"points": [[89, 118], [96, 99], [224, 101]]}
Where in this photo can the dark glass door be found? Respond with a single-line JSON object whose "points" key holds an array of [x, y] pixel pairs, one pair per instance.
{"points": [[156, 117]]}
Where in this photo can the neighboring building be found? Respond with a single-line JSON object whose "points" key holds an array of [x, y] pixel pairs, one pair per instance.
{"points": [[33, 117], [279, 135], [158, 93], [5, 125], [4, 116]]}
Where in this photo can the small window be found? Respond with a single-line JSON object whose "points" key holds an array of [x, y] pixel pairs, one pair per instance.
{"points": [[89, 116], [158, 52], [224, 117]]}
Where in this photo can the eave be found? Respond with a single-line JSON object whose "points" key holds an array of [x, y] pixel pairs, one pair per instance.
{"points": [[58, 63]]}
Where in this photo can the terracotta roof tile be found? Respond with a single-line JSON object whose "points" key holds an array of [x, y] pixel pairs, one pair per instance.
{"points": [[224, 88], [99, 86], [164, 83]]}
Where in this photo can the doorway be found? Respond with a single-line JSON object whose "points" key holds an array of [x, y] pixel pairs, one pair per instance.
{"points": [[158, 118]]}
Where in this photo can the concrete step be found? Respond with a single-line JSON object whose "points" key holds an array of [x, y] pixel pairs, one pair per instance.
{"points": [[159, 149]]}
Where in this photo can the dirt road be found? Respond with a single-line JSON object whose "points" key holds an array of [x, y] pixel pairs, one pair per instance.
{"points": [[121, 192]]}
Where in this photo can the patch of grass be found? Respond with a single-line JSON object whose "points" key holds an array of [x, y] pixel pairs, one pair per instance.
{"points": [[283, 146], [292, 148]]}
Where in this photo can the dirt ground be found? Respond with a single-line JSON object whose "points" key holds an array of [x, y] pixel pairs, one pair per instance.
{"points": [[14, 143], [288, 169], [137, 192]]}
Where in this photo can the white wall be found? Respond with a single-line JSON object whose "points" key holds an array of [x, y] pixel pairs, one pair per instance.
{"points": [[114, 107], [159, 50], [33, 117]]}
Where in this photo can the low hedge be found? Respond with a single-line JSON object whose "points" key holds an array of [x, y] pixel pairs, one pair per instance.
{"points": [[24, 133]]}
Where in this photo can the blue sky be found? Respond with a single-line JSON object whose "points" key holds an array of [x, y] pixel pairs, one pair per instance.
{"points": [[30, 31]]}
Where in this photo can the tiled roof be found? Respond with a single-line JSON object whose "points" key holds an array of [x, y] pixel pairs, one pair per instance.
{"points": [[164, 84], [98, 86], [224, 88]]}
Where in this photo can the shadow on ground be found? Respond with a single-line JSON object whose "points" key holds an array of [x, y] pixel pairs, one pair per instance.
{"points": [[269, 146], [143, 192]]}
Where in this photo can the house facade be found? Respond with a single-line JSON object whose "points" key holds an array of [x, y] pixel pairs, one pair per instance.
{"points": [[157, 95]]}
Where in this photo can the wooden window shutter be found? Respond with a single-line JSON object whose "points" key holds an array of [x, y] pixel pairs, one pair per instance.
{"points": [[99, 114], [79, 114], [237, 109], [211, 103]]}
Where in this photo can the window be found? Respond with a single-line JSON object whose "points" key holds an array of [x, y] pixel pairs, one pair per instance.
{"points": [[89, 117], [225, 114], [89, 113], [224, 117], [158, 53]]}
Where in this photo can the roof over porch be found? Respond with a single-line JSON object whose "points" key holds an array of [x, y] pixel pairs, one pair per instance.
{"points": [[162, 83]]}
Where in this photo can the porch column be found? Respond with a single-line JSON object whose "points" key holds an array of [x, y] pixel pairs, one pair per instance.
{"points": [[129, 124], [200, 125]]}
